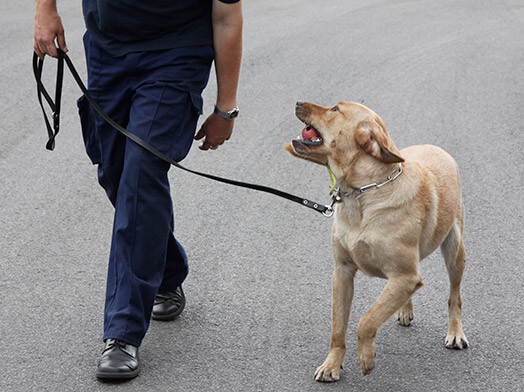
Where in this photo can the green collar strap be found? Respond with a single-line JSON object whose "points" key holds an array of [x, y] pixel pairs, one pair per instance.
{"points": [[332, 180]]}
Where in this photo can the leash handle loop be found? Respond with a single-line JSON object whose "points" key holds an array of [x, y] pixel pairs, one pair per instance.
{"points": [[38, 65], [52, 132]]}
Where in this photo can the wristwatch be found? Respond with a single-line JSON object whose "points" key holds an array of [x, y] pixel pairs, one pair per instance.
{"points": [[229, 115]]}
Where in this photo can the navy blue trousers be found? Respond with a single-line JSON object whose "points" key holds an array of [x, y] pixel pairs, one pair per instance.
{"points": [[157, 96]]}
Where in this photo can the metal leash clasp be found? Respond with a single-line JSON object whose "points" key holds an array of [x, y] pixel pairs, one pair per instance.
{"points": [[335, 198]]}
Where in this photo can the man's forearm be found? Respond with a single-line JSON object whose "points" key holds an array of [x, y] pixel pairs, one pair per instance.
{"points": [[227, 38], [48, 4]]}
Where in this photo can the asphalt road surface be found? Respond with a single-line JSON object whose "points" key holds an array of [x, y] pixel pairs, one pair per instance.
{"points": [[449, 73]]}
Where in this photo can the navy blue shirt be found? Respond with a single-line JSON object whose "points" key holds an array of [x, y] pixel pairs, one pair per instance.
{"points": [[124, 26]]}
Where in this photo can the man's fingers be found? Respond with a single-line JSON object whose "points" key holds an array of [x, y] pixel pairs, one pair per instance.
{"points": [[214, 141], [44, 47], [43, 50], [50, 49], [205, 146], [37, 50], [60, 39]]}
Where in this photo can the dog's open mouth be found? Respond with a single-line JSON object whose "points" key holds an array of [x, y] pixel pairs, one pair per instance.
{"points": [[311, 137]]}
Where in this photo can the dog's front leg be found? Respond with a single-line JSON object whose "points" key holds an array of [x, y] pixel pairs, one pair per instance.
{"points": [[396, 293], [343, 277]]}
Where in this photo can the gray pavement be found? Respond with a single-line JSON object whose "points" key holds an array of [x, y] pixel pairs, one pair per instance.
{"points": [[449, 73]]}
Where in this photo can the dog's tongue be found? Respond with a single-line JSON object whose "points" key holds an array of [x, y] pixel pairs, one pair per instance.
{"points": [[310, 133]]}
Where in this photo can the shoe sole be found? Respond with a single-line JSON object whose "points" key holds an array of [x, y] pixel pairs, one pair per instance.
{"points": [[172, 316], [117, 376]]}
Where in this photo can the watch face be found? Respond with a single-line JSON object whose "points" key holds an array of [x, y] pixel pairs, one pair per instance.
{"points": [[233, 113]]}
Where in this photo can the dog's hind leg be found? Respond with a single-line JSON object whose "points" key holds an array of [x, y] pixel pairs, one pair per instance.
{"points": [[405, 314], [455, 256]]}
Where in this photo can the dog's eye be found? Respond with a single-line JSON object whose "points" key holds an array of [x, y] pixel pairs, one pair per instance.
{"points": [[334, 109]]}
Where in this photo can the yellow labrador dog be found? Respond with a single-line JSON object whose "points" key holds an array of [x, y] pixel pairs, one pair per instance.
{"points": [[395, 208]]}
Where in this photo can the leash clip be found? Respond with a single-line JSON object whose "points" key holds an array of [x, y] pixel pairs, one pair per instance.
{"points": [[335, 198]]}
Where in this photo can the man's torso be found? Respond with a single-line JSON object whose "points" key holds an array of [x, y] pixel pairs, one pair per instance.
{"points": [[123, 26]]}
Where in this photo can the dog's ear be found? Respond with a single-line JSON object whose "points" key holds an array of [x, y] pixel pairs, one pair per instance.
{"points": [[373, 138]]}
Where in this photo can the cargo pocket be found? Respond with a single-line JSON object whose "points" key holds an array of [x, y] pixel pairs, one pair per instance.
{"points": [[89, 130], [186, 128], [198, 102]]}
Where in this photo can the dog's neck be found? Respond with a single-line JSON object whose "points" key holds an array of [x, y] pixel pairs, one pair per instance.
{"points": [[362, 170]]}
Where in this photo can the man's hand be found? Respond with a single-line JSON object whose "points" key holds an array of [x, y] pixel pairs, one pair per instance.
{"points": [[215, 131], [47, 28]]}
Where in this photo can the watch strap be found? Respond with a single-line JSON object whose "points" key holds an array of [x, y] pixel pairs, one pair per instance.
{"points": [[229, 115]]}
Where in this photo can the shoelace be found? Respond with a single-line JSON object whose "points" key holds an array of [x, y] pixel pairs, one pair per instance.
{"points": [[116, 342]]}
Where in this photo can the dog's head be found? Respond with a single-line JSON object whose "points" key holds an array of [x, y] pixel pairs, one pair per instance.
{"points": [[336, 135]]}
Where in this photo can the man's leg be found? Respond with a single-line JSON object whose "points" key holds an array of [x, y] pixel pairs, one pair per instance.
{"points": [[170, 300], [163, 114], [108, 84], [140, 234], [142, 237]]}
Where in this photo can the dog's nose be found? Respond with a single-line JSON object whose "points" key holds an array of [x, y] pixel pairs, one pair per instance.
{"points": [[299, 104]]}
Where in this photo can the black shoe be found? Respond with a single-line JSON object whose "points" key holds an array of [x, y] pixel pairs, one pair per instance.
{"points": [[119, 360], [169, 304]]}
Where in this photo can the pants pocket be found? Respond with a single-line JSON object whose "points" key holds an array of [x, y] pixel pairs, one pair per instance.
{"points": [[197, 101], [89, 130], [187, 128]]}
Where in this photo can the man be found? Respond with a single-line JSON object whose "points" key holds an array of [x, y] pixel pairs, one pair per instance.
{"points": [[148, 63]]}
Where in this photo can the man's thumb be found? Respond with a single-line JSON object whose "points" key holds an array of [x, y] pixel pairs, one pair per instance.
{"points": [[200, 134]]}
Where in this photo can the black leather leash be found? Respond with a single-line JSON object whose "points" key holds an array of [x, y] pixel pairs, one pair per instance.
{"points": [[53, 131]]}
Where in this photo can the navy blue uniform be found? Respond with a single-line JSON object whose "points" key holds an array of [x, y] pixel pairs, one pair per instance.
{"points": [[148, 63]]}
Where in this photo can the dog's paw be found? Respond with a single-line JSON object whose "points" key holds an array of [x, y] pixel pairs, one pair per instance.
{"points": [[328, 372], [456, 341], [404, 317], [367, 361]]}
